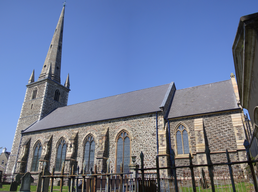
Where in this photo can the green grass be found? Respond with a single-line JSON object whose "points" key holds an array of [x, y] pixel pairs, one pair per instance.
{"points": [[246, 187], [34, 188]]}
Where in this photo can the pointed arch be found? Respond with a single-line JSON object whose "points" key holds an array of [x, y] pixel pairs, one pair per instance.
{"points": [[123, 150], [182, 138], [37, 149], [34, 93], [88, 152], [57, 95], [61, 153]]}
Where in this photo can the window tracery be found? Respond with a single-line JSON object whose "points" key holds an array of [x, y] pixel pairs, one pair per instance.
{"points": [[61, 154], [36, 157], [182, 142], [89, 153], [123, 152]]}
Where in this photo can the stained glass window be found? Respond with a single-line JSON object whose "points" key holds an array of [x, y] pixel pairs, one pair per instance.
{"points": [[36, 157], [123, 152], [61, 153], [182, 140], [89, 152]]}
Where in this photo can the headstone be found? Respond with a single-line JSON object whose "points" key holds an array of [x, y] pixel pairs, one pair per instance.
{"points": [[16, 182], [18, 178], [14, 186], [1, 174], [204, 182], [25, 182]]}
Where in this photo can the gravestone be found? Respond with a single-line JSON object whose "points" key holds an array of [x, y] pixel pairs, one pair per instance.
{"points": [[16, 182], [1, 174], [14, 186], [204, 182], [18, 178], [25, 182]]}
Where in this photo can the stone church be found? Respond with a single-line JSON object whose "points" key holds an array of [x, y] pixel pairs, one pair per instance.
{"points": [[155, 121]]}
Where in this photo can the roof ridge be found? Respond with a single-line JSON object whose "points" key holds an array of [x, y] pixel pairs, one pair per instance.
{"points": [[113, 95], [203, 85]]}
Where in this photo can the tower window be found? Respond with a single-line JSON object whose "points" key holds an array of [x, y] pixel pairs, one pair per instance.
{"points": [[34, 94], [57, 95]]}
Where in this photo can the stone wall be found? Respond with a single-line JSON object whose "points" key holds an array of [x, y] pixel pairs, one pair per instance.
{"points": [[223, 130], [35, 109], [141, 129]]}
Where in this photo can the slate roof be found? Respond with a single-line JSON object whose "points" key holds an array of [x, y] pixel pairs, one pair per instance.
{"points": [[202, 99], [123, 105]]}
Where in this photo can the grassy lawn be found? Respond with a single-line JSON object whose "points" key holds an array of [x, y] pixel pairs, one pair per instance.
{"points": [[34, 188], [247, 187]]}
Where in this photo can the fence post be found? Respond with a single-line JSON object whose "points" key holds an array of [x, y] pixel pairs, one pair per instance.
{"points": [[192, 172], [52, 180], [208, 157], [107, 189], [250, 163], [77, 177], [136, 178], [95, 178], [174, 168], [142, 161], [72, 180], [157, 166], [61, 179], [121, 178], [230, 172], [83, 179]]}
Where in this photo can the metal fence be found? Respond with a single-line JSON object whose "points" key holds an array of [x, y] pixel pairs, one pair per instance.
{"points": [[204, 177]]}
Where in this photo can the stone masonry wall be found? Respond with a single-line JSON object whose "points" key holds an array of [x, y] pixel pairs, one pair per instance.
{"points": [[141, 129], [220, 129], [30, 113], [223, 133], [49, 103]]}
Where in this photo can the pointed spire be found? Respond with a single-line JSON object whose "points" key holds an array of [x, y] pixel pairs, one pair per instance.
{"points": [[32, 78], [67, 82], [54, 54]]}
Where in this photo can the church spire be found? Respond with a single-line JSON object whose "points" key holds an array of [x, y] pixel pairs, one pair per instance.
{"points": [[54, 54]]}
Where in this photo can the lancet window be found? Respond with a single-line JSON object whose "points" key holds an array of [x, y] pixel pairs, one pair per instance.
{"points": [[89, 152], [182, 140], [36, 157], [123, 152], [61, 153]]}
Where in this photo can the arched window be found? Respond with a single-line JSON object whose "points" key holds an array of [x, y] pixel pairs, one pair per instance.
{"points": [[61, 153], [182, 140], [34, 93], [123, 152], [36, 157], [57, 95], [89, 152]]}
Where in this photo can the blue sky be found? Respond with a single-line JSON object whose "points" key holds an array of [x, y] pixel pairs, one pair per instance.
{"points": [[116, 46]]}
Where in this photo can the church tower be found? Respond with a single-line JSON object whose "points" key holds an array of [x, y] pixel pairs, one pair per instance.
{"points": [[44, 95]]}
